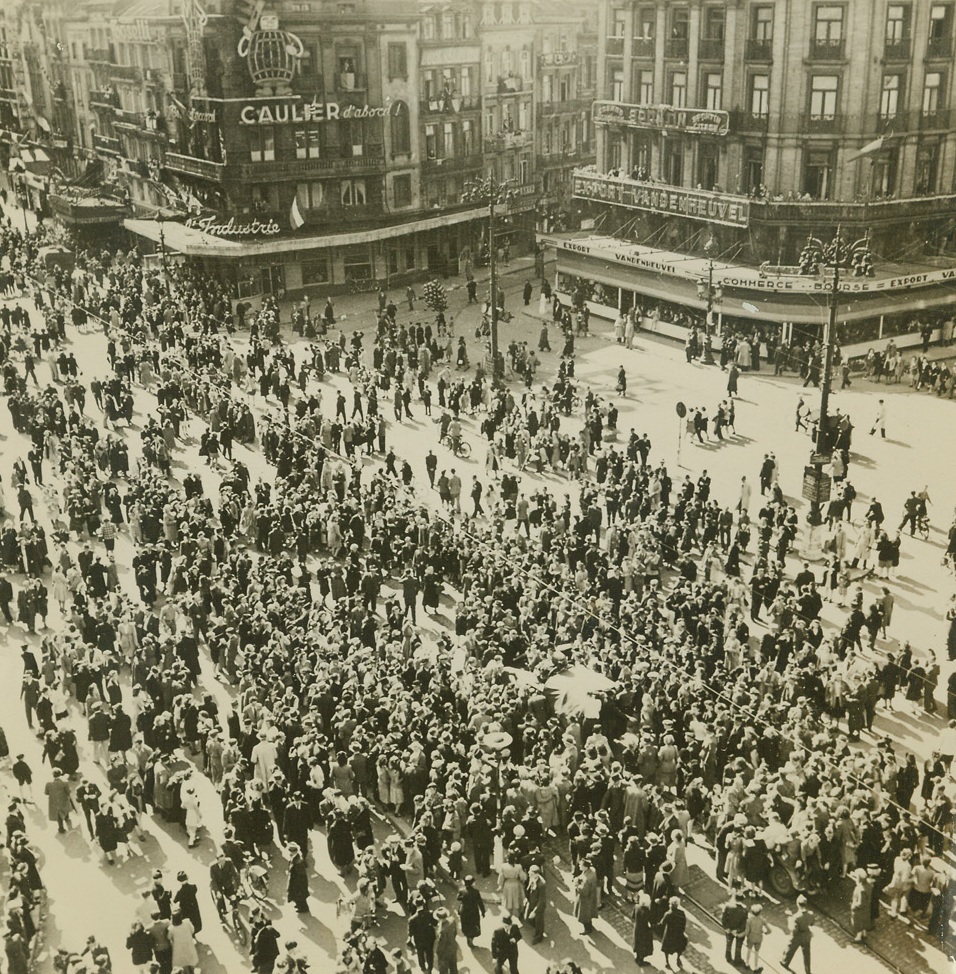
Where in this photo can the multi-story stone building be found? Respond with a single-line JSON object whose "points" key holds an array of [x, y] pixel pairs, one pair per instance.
{"points": [[565, 91], [296, 144], [732, 131]]}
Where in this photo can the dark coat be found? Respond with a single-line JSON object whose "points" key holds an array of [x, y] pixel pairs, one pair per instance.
{"points": [[674, 932], [470, 912]]}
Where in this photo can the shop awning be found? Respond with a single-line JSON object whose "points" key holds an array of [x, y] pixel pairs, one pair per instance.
{"points": [[198, 243]]}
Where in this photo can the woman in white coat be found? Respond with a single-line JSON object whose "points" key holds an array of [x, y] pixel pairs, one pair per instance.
{"points": [[183, 939]]}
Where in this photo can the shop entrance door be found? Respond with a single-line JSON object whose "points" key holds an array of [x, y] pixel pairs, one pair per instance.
{"points": [[273, 279]]}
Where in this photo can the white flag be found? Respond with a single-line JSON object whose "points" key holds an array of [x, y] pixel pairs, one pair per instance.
{"points": [[295, 214]]}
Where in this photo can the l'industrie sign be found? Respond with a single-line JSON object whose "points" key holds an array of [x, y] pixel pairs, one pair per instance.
{"points": [[731, 211]]}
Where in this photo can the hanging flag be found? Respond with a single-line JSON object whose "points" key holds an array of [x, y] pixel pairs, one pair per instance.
{"points": [[295, 214], [868, 150]]}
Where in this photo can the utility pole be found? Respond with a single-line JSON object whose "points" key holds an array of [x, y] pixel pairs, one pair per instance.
{"points": [[162, 255]]}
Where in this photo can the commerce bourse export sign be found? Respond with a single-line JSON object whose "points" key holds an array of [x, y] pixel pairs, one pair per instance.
{"points": [[696, 204]]}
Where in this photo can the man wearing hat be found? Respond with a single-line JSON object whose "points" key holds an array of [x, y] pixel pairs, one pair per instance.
{"points": [[800, 935], [504, 945], [536, 901], [421, 935], [446, 942], [733, 919]]}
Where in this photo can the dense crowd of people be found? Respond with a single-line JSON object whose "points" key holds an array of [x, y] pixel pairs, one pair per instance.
{"points": [[724, 712]]}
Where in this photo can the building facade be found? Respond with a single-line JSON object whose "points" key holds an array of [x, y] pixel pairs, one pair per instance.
{"points": [[296, 144], [736, 130]]}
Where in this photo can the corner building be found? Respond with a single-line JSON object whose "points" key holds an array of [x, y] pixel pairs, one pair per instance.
{"points": [[728, 133]]}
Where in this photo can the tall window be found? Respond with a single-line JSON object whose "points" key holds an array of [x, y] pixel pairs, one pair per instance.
{"points": [[307, 143], [890, 96], [310, 196], [645, 87], [714, 23], [927, 167], [931, 86], [645, 23], [708, 165], [762, 23], [713, 90], [400, 129], [467, 138], [828, 26], [679, 89], [885, 172], [352, 192], [402, 190], [940, 22], [753, 168], [619, 26], [397, 61], [818, 173], [448, 139], [430, 80], [432, 142], [617, 84], [262, 144], [760, 95], [467, 81], [897, 22], [680, 24], [674, 163], [823, 96]]}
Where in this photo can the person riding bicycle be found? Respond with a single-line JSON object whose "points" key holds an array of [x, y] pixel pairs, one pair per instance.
{"points": [[454, 435], [225, 884]]}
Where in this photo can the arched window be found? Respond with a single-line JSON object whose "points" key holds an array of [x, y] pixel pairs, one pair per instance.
{"points": [[401, 132]]}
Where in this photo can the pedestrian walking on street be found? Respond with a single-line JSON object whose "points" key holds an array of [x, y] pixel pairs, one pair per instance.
{"points": [[471, 911], [504, 945], [526, 292], [59, 801], [674, 934], [879, 423], [800, 936], [23, 775]]}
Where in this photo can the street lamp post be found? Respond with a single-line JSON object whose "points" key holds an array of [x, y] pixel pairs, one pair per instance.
{"points": [[707, 291], [162, 256], [817, 256], [491, 192]]}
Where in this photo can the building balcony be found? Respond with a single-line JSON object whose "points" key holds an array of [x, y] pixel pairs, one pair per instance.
{"points": [[309, 168], [452, 164], [897, 122], [940, 119], [821, 50], [126, 72], [759, 50], [106, 145], [450, 104], [677, 47], [564, 160], [939, 47], [711, 49], [863, 214], [103, 101], [643, 47], [512, 84], [749, 121], [812, 124], [614, 46], [508, 140], [900, 49], [130, 120], [99, 55], [558, 59], [568, 107], [194, 166], [8, 94]]}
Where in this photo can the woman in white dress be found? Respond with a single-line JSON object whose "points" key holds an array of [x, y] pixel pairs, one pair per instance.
{"points": [[511, 880]]}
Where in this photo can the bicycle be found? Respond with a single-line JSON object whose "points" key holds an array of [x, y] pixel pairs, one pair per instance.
{"points": [[460, 449], [231, 916]]}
